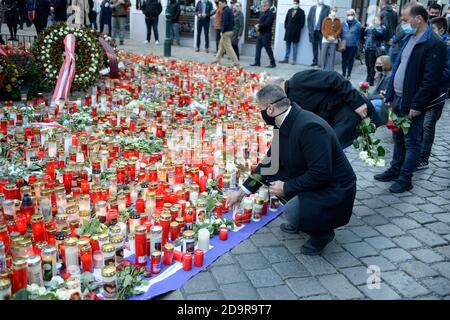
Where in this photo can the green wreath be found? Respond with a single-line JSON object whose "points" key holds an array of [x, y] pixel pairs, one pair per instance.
{"points": [[48, 51]]}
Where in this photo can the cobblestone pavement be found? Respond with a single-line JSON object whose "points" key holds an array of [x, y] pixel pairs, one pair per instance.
{"points": [[407, 236]]}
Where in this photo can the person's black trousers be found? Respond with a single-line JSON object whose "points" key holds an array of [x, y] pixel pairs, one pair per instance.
{"points": [[264, 40], [371, 58], [317, 44], [203, 24], [236, 49], [348, 58], [217, 39], [152, 22], [40, 24]]}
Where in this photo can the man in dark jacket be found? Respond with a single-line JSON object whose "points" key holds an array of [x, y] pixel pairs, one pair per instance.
{"points": [[226, 31], [42, 8], [389, 19], [152, 9], [175, 21], [264, 27], [315, 18], [293, 25], [203, 11], [332, 97], [60, 10], [414, 85], [238, 27], [313, 174]]}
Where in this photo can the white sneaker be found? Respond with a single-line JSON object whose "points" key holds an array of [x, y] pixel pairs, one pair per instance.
{"points": [[145, 41], [156, 42]]}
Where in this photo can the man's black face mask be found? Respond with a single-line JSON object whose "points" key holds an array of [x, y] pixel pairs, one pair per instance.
{"points": [[269, 119]]}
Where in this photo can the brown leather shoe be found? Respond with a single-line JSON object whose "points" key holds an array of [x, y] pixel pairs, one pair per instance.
{"points": [[197, 50]]}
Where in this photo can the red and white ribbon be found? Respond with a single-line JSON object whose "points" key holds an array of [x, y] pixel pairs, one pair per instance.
{"points": [[112, 58], [67, 71]]}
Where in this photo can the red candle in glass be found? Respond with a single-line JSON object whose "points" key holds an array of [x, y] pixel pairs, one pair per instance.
{"points": [[238, 219], [140, 205], [164, 220], [85, 186], [198, 257], [86, 258], [20, 274], [50, 167], [174, 231], [141, 245], [187, 261], [38, 227], [50, 235], [67, 179], [223, 233], [21, 222], [4, 237], [178, 255]]}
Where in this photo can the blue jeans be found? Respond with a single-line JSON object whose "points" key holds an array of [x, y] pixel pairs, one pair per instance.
{"points": [[348, 58], [288, 50], [203, 24], [381, 109], [407, 149], [328, 56], [264, 40], [429, 128], [317, 44], [152, 23]]}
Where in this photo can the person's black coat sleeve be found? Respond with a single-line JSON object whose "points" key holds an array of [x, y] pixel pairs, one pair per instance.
{"points": [[302, 19], [267, 21], [250, 184], [287, 18], [434, 64], [315, 144]]}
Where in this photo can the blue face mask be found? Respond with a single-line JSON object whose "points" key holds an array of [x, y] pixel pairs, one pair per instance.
{"points": [[408, 29]]}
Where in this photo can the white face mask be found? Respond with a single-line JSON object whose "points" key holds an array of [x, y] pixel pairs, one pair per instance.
{"points": [[351, 18], [295, 6], [321, 2], [333, 13]]}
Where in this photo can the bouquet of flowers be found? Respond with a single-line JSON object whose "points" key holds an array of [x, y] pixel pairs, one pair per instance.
{"points": [[363, 87], [397, 124], [370, 150]]}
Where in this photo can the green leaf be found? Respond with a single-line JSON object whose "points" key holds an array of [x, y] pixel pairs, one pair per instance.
{"points": [[381, 152], [22, 295]]}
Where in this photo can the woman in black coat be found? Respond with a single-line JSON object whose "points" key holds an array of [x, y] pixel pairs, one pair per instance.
{"points": [[12, 17], [293, 24]]}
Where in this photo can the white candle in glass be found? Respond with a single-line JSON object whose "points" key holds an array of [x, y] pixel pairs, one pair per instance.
{"points": [[203, 239]]}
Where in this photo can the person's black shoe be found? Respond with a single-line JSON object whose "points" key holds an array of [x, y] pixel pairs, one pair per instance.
{"points": [[10, 39], [315, 245], [386, 176], [288, 228], [313, 65], [283, 61], [121, 42], [423, 164], [271, 66], [400, 186], [255, 65]]}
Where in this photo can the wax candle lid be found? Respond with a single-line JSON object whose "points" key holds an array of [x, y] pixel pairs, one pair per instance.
{"points": [[169, 246], [108, 247], [109, 271], [48, 250], [156, 254], [33, 260], [71, 242], [19, 263], [5, 283], [141, 229]]}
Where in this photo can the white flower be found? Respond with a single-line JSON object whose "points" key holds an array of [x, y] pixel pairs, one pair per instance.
{"points": [[62, 294], [57, 280], [370, 162], [363, 155], [380, 163]]}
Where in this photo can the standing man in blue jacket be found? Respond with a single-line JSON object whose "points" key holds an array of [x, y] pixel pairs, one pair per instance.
{"points": [[226, 32], [203, 11], [315, 18], [414, 85], [432, 115]]}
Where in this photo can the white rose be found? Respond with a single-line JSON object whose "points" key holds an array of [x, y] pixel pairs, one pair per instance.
{"points": [[363, 155], [380, 163], [370, 162], [62, 294]]}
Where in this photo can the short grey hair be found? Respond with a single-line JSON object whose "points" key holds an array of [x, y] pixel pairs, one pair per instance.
{"points": [[265, 2], [237, 5], [271, 93], [275, 80]]}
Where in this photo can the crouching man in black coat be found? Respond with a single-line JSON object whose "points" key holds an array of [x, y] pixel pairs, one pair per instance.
{"points": [[309, 170], [332, 97]]}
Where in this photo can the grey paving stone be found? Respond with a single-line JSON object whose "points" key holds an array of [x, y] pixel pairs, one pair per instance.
{"points": [[356, 275], [384, 293], [294, 246], [244, 247], [173, 295], [280, 235], [405, 207], [239, 291], [363, 210], [421, 192], [428, 237], [346, 236], [340, 287], [305, 287], [364, 231], [380, 242], [342, 259], [427, 255], [265, 229], [422, 217], [362, 195], [389, 212], [355, 221], [264, 278], [376, 191], [375, 220], [390, 230], [228, 274], [429, 208], [360, 249], [252, 261], [406, 223], [406, 285], [396, 254], [277, 254], [439, 200], [316, 265], [277, 222], [443, 268], [445, 251], [375, 203], [205, 296], [429, 185], [418, 269], [200, 283], [407, 242], [319, 297], [439, 228], [438, 285], [276, 293], [444, 217], [391, 199], [332, 247], [227, 258], [383, 263], [291, 269], [264, 240], [414, 199]]}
